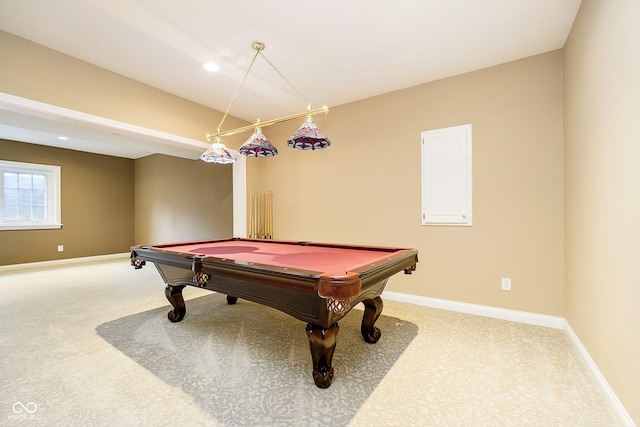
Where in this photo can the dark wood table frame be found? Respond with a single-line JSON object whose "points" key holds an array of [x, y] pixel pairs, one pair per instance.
{"points": [[317, 298]]}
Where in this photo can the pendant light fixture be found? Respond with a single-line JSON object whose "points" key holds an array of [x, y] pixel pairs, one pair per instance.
{"points": [[218, 153], [307, 137], [258, 145]]}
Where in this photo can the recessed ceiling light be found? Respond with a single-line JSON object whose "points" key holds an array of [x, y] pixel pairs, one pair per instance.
{"points": [[211, 66], [63, 138]]}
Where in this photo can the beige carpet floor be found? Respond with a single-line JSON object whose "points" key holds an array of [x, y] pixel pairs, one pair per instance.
{"points": [[90, 344]]}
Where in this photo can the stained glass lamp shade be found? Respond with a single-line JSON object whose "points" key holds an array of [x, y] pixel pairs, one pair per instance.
{"points": [[308, 137], [258, 146], [218, 153]]}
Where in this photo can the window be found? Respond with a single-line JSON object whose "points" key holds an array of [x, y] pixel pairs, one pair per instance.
{"points": [[446, 176], [30, 196]]}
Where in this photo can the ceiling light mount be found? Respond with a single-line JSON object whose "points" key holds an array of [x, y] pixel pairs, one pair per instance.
{"points": [[258, 45], [307, 137]]}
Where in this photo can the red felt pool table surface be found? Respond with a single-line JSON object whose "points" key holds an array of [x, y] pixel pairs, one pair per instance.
{"points": [[326, 259]]}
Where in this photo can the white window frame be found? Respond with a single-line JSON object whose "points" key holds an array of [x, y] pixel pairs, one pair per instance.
{"points": [[52, 173], [447, 180]]}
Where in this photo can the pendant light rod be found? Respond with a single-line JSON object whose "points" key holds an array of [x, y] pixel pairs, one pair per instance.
{"points": [[260, 124]]}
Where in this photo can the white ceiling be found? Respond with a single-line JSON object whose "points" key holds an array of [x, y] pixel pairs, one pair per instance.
{"points": [[332, 51]]}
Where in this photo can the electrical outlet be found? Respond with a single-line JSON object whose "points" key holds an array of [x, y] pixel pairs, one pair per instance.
{"points": [[506, 284], [60, 248]]}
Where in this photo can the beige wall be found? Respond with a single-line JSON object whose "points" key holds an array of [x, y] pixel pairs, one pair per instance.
{"points": [[365, 188], [602, 169], [32, 71], [180, 200], [97, 199]]}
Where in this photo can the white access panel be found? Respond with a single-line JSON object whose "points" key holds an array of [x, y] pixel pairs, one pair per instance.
{"points": [[446, 176]]}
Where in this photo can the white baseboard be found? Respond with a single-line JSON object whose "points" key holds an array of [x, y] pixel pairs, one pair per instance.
{"points": [[602, 382], [59, 262], [528, 318], [480, 310]]}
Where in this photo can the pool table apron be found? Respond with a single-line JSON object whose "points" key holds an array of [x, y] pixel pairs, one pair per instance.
{"points": [[296, 297]]}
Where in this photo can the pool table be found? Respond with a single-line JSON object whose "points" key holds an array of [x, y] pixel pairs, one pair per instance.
{"points": [[317, 283]]}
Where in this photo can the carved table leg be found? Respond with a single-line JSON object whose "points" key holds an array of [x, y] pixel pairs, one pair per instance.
{"points": [[323, 343], [174, 295], [372, 310], [231, 300]]}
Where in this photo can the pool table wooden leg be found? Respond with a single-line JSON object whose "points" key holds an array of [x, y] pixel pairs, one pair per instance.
{"points": [[174, 295], [372, 310], [323, 343]]}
